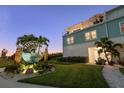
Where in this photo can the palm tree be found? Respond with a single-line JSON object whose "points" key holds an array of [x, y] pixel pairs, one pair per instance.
{"points": [[24, 39], [42, 41], [28, 41], [113, 50], [4, 52], [108, 48], [46, 54]]}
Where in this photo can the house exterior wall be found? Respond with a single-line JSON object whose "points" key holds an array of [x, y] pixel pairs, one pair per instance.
{"points": [[80, 46], [114, 28], [115, 13], [79, 37], [77, 49]]}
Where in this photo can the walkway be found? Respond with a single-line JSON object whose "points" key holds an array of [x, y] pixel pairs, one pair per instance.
{"points": [[6, 82], [113, 76]]}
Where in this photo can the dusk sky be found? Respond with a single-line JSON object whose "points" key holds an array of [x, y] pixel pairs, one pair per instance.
{"points": [[48, 21]]}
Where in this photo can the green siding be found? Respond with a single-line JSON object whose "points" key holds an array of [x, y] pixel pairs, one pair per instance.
{"points": [[79, 36], [100, 30], [112, 26]]}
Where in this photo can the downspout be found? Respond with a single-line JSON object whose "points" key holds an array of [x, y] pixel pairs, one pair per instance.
{"points": [[106, 27], [107, 34]]}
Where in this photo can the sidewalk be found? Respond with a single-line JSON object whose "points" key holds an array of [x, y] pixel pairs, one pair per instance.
{"points": [[6, 82], [113, 76]]}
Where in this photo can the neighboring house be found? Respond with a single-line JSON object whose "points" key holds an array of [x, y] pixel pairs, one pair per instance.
{"points": [[79, 39]]}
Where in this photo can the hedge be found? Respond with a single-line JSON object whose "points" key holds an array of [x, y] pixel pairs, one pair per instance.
{"points": [[73, 59]]}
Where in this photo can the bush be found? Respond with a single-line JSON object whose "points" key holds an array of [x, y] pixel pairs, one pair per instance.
{"points": [[100, 61], [12, 69], [54, 56], [111, 63], [43, 67], [73, 59], [6, 61], [121, 62]]}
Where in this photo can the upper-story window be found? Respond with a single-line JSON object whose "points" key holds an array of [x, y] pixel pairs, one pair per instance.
{"points": [[90, 35], [87, 36], [122, 27], [70, 40], [93, 34]]}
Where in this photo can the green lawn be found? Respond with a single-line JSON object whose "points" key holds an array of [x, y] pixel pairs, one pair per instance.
{"points": [[121, 70], [73, 75]]}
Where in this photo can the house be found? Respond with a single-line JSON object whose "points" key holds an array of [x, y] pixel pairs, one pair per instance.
{"points": [[79, 39]]}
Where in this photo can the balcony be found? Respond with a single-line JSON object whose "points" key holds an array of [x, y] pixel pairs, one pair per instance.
{"points": [[96, 19]]}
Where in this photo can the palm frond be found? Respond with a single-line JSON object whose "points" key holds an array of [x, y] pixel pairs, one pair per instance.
{"points": [[100, 51], [98, 44], [118, 45]]}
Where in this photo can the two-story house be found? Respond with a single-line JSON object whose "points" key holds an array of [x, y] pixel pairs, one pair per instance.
{"points": [[79, 39]]}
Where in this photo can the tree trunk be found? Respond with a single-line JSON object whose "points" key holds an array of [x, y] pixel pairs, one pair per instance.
{"points": [[106, 57], [46, 54], [38, 48]]}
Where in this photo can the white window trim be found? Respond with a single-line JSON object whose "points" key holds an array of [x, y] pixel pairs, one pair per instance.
{"points": [[85, 36], [69, 41], [122, 33], [90, 35]]}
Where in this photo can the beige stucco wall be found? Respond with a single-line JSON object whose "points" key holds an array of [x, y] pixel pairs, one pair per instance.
{"points": [[77, 50]]}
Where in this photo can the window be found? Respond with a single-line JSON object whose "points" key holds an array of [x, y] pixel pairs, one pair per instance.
{"points": [[87, 36], [90, 35], [122, 27], [93, 34], [70, 40]]}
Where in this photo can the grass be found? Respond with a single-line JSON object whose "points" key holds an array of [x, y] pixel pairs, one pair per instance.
{"points": [[71, 76], [121, 70]]}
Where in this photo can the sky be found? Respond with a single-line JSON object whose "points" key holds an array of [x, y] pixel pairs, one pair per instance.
{"points": [[48, 21]]}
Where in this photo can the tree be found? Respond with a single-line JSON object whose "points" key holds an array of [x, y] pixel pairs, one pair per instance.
{"points": [[113, 50], [29, 42], [4, 52], [42, 41], [108, 48]]}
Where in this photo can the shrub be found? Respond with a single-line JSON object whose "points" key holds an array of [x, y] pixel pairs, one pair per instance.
{"points": [[12, 69], [100, 61], [111, 63], [6, 61], [121, 62], [43, 67], [54, 55], [73, 59]]}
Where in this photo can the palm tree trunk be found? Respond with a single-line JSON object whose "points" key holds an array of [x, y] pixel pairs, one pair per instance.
{"points": [[38, 48], [106, 57]]}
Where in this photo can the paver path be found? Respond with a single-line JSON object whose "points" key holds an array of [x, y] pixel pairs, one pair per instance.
{"points": [[113, 76], [11, 83]]}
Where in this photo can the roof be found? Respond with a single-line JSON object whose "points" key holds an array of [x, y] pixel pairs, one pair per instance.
{"points": [[91, 18], [88, 21], [113, 9]]}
